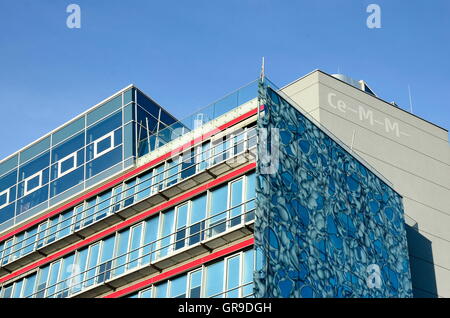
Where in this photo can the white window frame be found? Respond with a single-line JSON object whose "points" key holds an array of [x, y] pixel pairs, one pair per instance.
{"points": [[7, 198], [73, 155], [26, 191], [96, 142]]}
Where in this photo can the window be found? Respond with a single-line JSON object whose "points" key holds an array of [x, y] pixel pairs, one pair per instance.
{"points": [[103, 144], [233, 276], [218, 210], [135, 249], [180, 236], [178, 287], [197, 220], [236, 203], [4, 198], [195, 284], [214, 280], [67, 164], [33, 182]]}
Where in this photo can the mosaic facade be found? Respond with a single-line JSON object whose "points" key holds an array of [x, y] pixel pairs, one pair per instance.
{"points": [[326, 226]]}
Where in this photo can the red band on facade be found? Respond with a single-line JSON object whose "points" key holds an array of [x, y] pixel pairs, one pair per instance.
{"points": [[130, 221], [181, 269], [129, 174]]}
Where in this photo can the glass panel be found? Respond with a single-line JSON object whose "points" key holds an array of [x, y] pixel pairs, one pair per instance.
{"points": [[145, 181], [248, 268], [195, 284], [122, 249], [117, 197], [218, 211], [146, 293], [78, 271], [103, 203], [233, 274], [198, 214], [17, 249], [28, 289], [52, 229], [214, 280], [135, 247], [92, 264], [54, 273], [180, 236], [78, 216], [151, 234], [42, 282], [89, 212], [41, 235], [161, 290], [236, 203], [250, 195], [172, 172], [188, 164], [158, 176], [65, 224], [7, 252], [167, 233], [18, 289], [68, 277], [30, 240], [7, 291], [129, 193], [106, 259], [178, 287], [204, 156]]}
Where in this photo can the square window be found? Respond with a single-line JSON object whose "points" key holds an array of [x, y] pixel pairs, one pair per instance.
{"points": [[67, 164], [104, 144], [4, 198], [33, 182]]}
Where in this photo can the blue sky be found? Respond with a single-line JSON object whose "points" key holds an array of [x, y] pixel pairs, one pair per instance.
{"points": [[186, 54]]}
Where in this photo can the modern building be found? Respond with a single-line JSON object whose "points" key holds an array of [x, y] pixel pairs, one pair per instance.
{"points": [[267, 192]]}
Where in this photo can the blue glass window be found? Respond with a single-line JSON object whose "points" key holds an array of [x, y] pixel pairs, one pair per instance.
{"points": [[4, 198], [28, 288], [197, 219], [218, 209], [135, 247], [167, 233], [122, 250], [178, 287], [214, 280], [233, 273], [180, 235], [195, 284], [236, 203]]}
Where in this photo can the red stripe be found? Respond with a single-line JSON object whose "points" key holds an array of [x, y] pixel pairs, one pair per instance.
{"points": [[131, 221], [129, 174], [183, 268]]}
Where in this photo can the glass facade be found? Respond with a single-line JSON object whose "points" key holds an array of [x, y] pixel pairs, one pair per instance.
{"points": [[231, 277], [89, 149], [135, 190], [159, 236]]}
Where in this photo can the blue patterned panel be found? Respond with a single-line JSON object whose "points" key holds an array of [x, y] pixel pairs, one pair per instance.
{"points": [[326, 225]]}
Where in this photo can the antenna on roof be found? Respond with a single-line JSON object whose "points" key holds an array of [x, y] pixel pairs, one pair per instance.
{"points": [[262, 70], [410, 100]]}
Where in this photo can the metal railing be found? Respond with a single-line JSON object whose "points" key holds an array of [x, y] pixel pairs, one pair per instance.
{"points": [[76, 223], [156, 251]]}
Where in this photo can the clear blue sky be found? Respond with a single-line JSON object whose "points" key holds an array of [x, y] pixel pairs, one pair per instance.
{"points": [[186, 54]]}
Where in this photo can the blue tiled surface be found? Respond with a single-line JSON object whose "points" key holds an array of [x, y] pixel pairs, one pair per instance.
{"points": [[324, 222]]}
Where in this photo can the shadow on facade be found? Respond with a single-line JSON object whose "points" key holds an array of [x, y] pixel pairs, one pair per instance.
{"points": [[423, 275]]}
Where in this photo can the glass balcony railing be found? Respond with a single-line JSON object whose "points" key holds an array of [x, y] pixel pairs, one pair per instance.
{"points": [[150, 253], [128, 193], [200, 117]]}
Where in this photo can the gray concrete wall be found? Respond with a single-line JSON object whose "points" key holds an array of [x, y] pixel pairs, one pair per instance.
{"points": [[410, 152]]}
